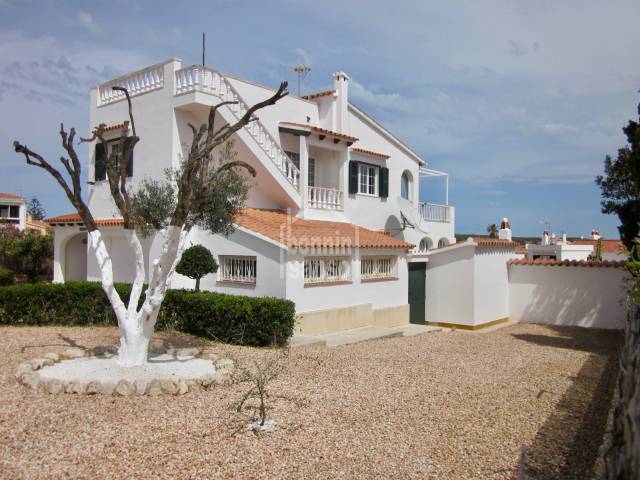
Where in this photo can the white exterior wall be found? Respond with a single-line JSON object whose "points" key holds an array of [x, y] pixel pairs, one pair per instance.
{"points": [[491, 285], [570, 296], [270, 276], [379, 294], [62, 236], [468, 284], [450, 286]]}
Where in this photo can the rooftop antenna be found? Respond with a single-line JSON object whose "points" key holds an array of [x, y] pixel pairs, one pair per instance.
{"points": [[302, 71], [203, 39]]}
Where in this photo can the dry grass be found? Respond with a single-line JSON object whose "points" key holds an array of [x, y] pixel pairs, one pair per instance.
{"points": [[446, 405]]}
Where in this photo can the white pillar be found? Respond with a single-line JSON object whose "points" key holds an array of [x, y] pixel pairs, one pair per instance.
{"points": [[446, 190], [304, 171]]}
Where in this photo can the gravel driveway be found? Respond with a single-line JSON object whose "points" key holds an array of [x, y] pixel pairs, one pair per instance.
{"points": [[444, 405]]}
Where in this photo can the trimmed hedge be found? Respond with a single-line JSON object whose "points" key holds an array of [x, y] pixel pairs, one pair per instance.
{"points": [[255, 321]]}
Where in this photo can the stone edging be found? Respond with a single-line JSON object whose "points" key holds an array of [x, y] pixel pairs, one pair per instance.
{"points": [[27, 374]]}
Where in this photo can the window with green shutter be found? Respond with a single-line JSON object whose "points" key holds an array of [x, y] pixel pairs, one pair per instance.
{"points": [[100, 168], [384, 182]]}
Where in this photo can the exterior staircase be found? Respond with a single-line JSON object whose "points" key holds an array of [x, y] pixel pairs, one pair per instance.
{"points": [[197, 78]]}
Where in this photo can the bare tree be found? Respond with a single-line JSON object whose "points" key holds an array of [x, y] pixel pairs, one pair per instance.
{"points": [[196, 181]]}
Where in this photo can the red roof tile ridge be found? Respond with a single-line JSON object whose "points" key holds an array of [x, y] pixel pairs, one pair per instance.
{"points": [[567, 263]]}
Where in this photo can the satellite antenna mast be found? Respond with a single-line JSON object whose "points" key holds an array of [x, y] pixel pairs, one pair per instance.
{"points": [[302, 71], [203, 38]]}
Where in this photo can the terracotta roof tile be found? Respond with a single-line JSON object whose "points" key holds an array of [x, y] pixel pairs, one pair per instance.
{"points": [[312, 96], [10, 196], [494, 242], [300, 233], [321, 130], [75, 218], [288, 230], [370, 152], [608, 246], [568, 263], [115, 126]]}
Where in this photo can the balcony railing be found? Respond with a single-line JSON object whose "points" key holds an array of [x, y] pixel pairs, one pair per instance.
{"points": [[435, 213], [324, 198], [143, 81]]}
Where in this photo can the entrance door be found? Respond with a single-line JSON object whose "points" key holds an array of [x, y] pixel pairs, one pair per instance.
{"points": [[417, 291]]}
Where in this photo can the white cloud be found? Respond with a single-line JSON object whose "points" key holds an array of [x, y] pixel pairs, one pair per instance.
{"points": [[87, 21]]}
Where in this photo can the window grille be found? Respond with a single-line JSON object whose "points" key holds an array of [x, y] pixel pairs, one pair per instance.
{"points": [[326, 269], [237, 269], [372, 268]]}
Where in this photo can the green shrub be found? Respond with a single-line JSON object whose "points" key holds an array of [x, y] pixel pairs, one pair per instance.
{"points": [[256, 321], [196, 262], [7, 277]]}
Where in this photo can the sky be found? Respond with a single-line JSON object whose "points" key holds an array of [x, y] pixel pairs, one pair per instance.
{"points": [[518, 101]]}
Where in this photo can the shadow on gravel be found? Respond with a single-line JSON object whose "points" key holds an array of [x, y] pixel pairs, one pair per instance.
{"points": [[567, 444]]}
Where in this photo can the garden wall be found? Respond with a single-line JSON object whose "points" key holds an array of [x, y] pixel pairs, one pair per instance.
{"points": [[591, 294]]}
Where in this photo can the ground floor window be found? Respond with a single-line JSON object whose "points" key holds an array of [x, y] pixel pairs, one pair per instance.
{"points": [[239, 269], [378, 268], [319, 270]]}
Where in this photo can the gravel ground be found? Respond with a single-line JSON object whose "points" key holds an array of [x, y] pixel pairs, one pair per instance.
{"points": [[444, 405]]}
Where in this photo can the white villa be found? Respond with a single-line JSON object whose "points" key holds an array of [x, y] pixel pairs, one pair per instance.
{"points": [[13, 211], [333, 221]]}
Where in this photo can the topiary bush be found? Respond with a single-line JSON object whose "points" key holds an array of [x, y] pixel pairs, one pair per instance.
{"points": [[196, 262], [7, 277], [254, 321]]}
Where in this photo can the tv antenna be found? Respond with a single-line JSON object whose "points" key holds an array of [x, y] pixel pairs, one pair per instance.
{"points": [[302, 71]]}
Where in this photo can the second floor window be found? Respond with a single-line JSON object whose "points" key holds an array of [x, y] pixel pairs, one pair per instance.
{"points": [[10, 211], [102, 155], [367, 179]]}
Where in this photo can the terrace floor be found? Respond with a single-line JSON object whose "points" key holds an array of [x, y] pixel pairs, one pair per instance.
{"points": [[442, 405]]}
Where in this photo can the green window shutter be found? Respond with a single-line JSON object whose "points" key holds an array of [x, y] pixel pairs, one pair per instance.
{"points": [[384, 182], [100, 170], [127, 143], [353, 177]]}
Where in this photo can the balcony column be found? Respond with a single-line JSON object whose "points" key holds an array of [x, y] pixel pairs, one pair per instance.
{"points": [[446, 190], [304, 171]]}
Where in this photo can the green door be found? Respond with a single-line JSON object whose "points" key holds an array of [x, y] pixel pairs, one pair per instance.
{"points": [[417, 291]]}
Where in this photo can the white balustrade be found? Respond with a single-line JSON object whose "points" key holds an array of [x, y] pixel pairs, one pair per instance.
{"points": [[435, 213], [143, 81], [324, 198], [200, 79]]}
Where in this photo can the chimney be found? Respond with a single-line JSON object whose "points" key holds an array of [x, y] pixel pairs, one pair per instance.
{"points": [[341, 118], [505, 230]]}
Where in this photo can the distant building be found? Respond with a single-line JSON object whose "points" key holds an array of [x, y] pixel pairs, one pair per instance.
{"points": [[13, 211], [551, 248]]}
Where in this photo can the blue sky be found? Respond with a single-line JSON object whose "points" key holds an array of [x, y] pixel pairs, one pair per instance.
{"points": [[519, 101]]}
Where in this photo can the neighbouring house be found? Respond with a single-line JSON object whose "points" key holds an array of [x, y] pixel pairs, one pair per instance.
{"points": [[13, 211], [611, 249], [578, 249], [333, 221]]}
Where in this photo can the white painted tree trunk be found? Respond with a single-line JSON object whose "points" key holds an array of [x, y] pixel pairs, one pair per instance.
{"points": [[137, 324]]}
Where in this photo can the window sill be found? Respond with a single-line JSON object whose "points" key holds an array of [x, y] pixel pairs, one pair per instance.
{"points": [[327, 284], [372, 195], [236, 282], [373, 280]]}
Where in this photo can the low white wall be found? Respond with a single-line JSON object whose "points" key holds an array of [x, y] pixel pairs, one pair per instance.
{"points": [[564, 295]]}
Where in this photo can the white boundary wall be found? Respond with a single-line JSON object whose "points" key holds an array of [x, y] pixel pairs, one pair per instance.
{"points": [[579, 296]]}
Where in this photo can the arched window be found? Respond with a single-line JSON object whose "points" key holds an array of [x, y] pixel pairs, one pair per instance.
{"points": [[405, 185], [443, 242], [425, 244]]}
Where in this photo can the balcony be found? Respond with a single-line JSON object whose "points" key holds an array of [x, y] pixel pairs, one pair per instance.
{"points": [[432, 212], [322, 198]]}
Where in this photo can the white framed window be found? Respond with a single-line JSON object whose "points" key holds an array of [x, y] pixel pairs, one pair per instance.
{"points": [[10, 212], [378, 267], [237, 269], [405, 185], [367, 179], [319, 270]]}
